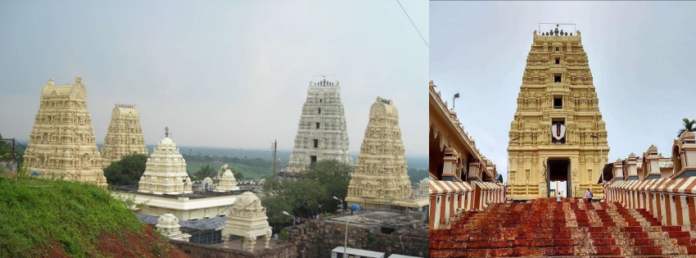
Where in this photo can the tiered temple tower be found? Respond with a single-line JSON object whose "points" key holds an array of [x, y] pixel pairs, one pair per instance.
{"points": [[61, 144], [322, 133], [557, 133], [381, 171], [165, 170], [125, 137]]}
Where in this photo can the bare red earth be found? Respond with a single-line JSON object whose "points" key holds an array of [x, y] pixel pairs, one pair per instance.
{"points": [[141, 244]]}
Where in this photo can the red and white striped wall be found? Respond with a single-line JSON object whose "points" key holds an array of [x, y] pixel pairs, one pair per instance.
{"points": [[447, 198], [670, 200]]}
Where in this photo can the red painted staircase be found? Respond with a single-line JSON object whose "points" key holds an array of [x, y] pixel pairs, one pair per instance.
{"points": [[543, 227]]}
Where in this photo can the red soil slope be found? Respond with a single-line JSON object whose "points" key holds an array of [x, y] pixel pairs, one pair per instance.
{"points": [[143, 244]]}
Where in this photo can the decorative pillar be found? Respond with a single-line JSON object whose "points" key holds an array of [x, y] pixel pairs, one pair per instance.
{"points": [[652, 169], [450, 165], [618, 170], [685, 159], [631, 167], [474, 171]]}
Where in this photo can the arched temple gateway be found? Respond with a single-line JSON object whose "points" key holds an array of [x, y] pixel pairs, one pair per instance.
{"points": [[557, 133]]}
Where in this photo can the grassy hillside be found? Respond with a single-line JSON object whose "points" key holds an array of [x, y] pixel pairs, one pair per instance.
{"points": [[44, 218]]}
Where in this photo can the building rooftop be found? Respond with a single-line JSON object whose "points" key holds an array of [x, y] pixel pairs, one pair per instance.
{"points": [[133, 189]]}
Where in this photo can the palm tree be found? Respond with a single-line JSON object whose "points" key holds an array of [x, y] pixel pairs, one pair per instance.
{"points": [[688, 126], [206, 171]]}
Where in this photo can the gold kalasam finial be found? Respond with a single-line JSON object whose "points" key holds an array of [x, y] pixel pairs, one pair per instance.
{"points": [[166, 131]]}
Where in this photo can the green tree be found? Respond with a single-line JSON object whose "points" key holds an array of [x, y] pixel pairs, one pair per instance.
{"points": [[334, 176], [275, 205], [206, 171], [126, 171], [4, 149], [238, 175], [306, 195], [688, 126]]}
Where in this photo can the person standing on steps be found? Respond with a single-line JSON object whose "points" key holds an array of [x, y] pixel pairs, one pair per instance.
{"points": [[588, 195], [558, 197]]}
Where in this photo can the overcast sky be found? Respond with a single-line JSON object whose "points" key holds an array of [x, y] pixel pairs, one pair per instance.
{"points": [[228, 74], [642, 56]]}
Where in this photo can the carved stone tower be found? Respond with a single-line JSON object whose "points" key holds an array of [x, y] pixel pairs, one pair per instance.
{"points": [[322, 133], [557, 133], [61, 144], [125, 137], [380, 175]]}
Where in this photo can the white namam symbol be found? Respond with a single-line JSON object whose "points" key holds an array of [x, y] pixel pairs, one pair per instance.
{"points": [[558, 131]]}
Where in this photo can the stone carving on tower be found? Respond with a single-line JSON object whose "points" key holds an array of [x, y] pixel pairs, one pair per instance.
{"points": [[381, 171], [125, 137], [165, 170], [62, 142], [322, 132], [557, 118]]}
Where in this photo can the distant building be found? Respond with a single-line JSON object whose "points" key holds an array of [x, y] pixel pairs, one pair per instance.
{"points": [[322, 132], [125, 137], [381, 178]]}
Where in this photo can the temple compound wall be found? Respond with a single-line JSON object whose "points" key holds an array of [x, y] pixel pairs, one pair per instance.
{"points": [[62, 142], [557, 133], [666, 187], [380, 178], [322, 132], [461, 178], [124, 137]]}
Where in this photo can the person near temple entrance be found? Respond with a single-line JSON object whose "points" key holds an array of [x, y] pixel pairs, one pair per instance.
{"points": [[588, 195], [558, 197]]}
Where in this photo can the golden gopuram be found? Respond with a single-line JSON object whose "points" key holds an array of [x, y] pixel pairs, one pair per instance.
{"points": [[557, 133]]}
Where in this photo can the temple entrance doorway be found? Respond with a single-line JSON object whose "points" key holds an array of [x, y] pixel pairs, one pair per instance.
{"points": [[558, 173]]}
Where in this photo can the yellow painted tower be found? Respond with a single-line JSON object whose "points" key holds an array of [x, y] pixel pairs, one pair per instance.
{"points": [[557, 133]]}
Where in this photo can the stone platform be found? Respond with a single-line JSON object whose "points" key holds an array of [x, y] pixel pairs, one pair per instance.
{"points": [[571, 228]]}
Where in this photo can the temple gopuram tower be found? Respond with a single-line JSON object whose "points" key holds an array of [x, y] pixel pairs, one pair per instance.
{"points": [[322, 133], [62, 142], [557, 133], [125, 137], [165, 170], [380, 175]]}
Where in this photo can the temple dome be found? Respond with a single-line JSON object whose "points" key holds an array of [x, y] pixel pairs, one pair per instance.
{"points": [[228, 174], [166, 141], [245, 199], [168, 220]]}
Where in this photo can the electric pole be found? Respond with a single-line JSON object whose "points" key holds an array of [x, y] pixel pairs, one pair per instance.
{"points": [[274, 146]]}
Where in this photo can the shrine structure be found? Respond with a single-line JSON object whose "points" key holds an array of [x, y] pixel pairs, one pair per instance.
{"points": [[322, 132], [557, 133], [380, 179], [124, 137], [62, 142], [165, 170]]}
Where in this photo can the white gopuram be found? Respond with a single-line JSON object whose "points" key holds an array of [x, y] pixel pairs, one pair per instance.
{"points": [[248, 220], [125, 137], [380, 175], [62, 142], [322, 133], [165, 170]]}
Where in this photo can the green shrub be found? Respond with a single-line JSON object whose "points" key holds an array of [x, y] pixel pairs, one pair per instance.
{"points": [[35, 213]]}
